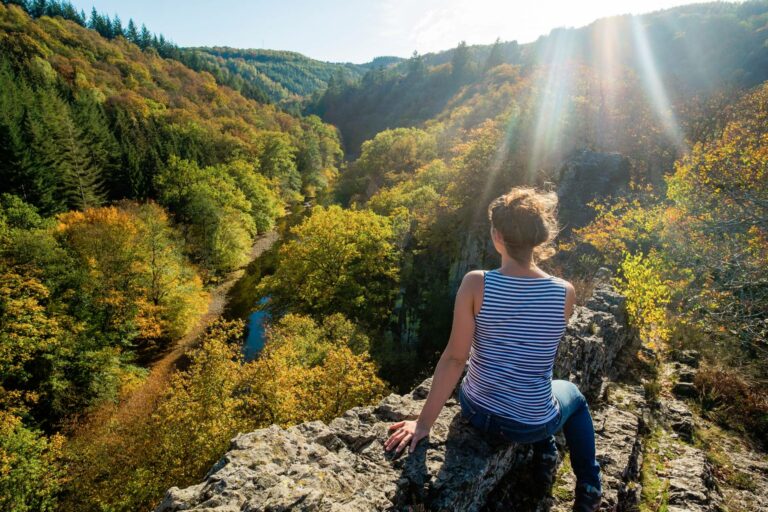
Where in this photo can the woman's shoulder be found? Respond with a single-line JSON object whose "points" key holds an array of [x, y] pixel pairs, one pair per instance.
{"points": [[570, 290], [474, 278]]}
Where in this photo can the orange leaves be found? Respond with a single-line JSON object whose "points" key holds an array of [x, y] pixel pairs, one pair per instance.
{"points": [[138, 275]]}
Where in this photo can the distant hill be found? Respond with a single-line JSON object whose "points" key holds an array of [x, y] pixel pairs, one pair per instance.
{"points": [[109, 114], [282, 75], [698, 48]]}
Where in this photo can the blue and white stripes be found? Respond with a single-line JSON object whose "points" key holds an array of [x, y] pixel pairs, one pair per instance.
{"points": [[517, 332]]}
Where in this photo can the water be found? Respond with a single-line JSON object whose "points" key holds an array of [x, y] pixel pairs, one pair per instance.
{"points": [[254, 340], [243, 301]]}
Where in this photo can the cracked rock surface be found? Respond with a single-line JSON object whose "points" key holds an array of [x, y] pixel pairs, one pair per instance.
{"points": [[343, 465]]}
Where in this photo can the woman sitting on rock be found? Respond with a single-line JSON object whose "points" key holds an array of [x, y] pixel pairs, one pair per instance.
{"points": [[507, 326]]}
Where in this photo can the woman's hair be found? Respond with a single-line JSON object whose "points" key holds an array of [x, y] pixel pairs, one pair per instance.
{"points": [[526, 218]]}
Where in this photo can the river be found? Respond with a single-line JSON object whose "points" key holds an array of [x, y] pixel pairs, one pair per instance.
{"points": [[242, 299]]}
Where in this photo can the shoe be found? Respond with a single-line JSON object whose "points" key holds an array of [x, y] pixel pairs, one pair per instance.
{"points": [[588, 499], [543, 472]]}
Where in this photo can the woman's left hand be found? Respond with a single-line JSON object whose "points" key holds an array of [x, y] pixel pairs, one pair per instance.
{"points": [[407, 432]]}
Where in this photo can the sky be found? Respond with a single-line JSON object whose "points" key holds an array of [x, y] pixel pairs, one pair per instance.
{"points": [[359, 30]]}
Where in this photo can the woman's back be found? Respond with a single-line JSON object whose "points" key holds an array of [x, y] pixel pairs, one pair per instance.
{"points": [[517, 332]]}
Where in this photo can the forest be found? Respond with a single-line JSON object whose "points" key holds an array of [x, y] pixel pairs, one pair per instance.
{"points": [[138, 176]]}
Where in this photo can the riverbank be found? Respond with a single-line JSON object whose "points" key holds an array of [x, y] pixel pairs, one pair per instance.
{"points": [[144, 395]]}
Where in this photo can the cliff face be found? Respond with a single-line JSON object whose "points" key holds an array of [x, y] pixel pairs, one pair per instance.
{"points": [[586, 176], [343, 465]]}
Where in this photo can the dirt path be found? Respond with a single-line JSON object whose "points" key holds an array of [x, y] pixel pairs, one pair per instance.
{"points": [[161, 370]]}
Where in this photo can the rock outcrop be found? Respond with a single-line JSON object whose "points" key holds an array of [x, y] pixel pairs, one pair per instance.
{"points": [[343, 465], [587, 176]]}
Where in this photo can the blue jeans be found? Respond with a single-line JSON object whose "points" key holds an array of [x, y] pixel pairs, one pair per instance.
{"points": [[573, 419]]}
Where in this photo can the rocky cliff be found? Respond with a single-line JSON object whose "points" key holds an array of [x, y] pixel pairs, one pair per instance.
{"points": [[343, 465], [586, 176]]}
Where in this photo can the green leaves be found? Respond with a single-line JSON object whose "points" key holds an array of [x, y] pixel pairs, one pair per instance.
{"points": [[339, 261]]}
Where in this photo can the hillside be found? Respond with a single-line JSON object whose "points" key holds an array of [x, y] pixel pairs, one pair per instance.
{"points": [[285, 76], [137, 190], [698, 48], [141, 109]]}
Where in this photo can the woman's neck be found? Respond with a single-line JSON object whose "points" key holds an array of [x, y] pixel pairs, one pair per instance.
{"points": [[512, 266]]}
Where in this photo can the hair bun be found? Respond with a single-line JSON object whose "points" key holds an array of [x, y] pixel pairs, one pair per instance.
{"points": [[526, 218]]}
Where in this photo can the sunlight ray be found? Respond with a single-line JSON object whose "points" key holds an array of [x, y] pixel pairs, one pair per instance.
{"points": [[654, 88], [553, 96]]}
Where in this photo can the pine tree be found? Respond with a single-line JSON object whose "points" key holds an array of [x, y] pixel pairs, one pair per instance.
{"points": [[38, 8], [131, 33], [117, 27], [495, 57], [145, 39], [43, 154], [416, 67], [81, 180], [103, 148], [94, 21], [460, 62]]}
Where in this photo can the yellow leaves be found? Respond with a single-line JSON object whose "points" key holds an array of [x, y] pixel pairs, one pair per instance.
{"points": [[138, 274], [339, 261], [647, 293], [625, 225]]}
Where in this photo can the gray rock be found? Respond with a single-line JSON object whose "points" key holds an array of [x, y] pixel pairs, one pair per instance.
{"points": [[691, 485], [678, 417], [686, 375], [586, 176], [685, 390], [343, 465], [687, 357]]}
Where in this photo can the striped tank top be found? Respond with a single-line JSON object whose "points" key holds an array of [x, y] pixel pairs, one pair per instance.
{"points": [[517, 331]]}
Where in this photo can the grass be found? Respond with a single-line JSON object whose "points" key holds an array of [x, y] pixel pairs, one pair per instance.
{"points": [[562, 491], [655, 493]]}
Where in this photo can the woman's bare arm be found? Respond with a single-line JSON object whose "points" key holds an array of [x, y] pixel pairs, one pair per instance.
{"points": [[449, 368], [570, 300], [454, 357]]}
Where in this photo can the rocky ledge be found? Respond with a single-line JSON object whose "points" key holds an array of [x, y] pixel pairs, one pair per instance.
{"points": [[343, 465]]}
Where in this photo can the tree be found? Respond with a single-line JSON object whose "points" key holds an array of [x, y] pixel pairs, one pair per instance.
{"points": [[218, 217], [460, 62], [495, 57], [82, 183], [131, 33], [277, 158], [145, 38], [416, 67], [390, 157], [117, 26], [339, 261], [307, 370], [29, 479]]}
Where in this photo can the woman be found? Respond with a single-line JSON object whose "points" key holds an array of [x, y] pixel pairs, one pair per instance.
{"points": [[507, 325]]}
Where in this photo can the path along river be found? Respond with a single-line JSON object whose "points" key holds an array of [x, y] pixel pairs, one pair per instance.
{"points": [[234, 297], [242, 299]]}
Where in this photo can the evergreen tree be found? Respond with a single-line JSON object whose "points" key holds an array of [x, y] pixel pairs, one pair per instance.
{"points": [[69, 12], [103, 148], [460, 62], [38, 8], [117, 27], [145, 39], [131, 33], [416, 67], [43, 151], [495, 57], [81, 180], [94, 20]]}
